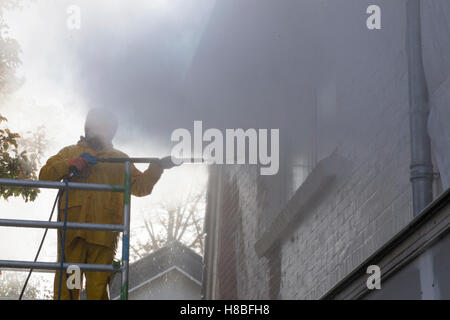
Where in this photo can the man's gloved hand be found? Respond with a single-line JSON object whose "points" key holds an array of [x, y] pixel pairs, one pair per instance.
{"points": [[166, 163], [89, 158], [77, 164]]}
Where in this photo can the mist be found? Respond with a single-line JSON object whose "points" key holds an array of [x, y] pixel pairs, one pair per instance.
{"points": [[161, 65]]}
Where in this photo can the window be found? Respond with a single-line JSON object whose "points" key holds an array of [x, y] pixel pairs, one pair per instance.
{"points": [[323, 135]]}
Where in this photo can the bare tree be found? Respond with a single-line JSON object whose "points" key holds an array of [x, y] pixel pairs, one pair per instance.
{"points": [[11, 284], [180, 220]]}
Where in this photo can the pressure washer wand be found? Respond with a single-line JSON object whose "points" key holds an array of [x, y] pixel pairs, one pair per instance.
{"points": [[180, 161], [133, 160]]}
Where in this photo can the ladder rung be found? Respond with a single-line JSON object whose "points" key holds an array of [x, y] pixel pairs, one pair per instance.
{"points": [[61, 185], [55, 265], [60, 224]]}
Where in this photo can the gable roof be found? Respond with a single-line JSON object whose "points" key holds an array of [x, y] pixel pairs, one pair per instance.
{"points": [[173, 255]]}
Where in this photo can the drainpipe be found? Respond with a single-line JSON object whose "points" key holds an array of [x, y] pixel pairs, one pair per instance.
{"points": [[421, 168]]}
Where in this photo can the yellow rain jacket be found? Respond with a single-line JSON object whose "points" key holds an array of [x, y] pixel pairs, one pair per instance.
{"points": [[97, 206]]}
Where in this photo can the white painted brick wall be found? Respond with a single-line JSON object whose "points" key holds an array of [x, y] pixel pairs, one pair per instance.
{"points": [[375, 202]]}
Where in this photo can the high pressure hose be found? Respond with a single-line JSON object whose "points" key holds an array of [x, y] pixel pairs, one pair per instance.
{"points": [[40, 245], [63, 239], [57, 201]]}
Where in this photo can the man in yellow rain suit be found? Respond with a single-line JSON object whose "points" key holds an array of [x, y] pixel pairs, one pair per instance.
{"points": [[94, 247]]}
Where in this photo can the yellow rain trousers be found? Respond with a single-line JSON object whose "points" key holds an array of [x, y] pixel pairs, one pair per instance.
{"points": [[81, 251], [95, 207]]}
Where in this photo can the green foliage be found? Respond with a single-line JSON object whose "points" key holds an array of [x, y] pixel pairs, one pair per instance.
{"points": [[19, 158], [16, 163]]}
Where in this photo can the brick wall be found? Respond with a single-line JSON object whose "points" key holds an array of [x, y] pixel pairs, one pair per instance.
{"points": [[229, 230], [374, 202]]}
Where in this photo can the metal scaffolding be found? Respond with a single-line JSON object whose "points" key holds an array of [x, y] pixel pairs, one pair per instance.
{"points": [[124, 228]]}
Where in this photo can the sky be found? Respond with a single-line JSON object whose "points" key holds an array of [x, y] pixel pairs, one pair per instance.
{"points": [[125, 54]]}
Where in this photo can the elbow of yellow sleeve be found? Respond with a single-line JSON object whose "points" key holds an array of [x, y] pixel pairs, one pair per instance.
{"points": [[155, 171], [144, 185], [153, 174], [143, 191], [43, 174], [53, 172]]}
